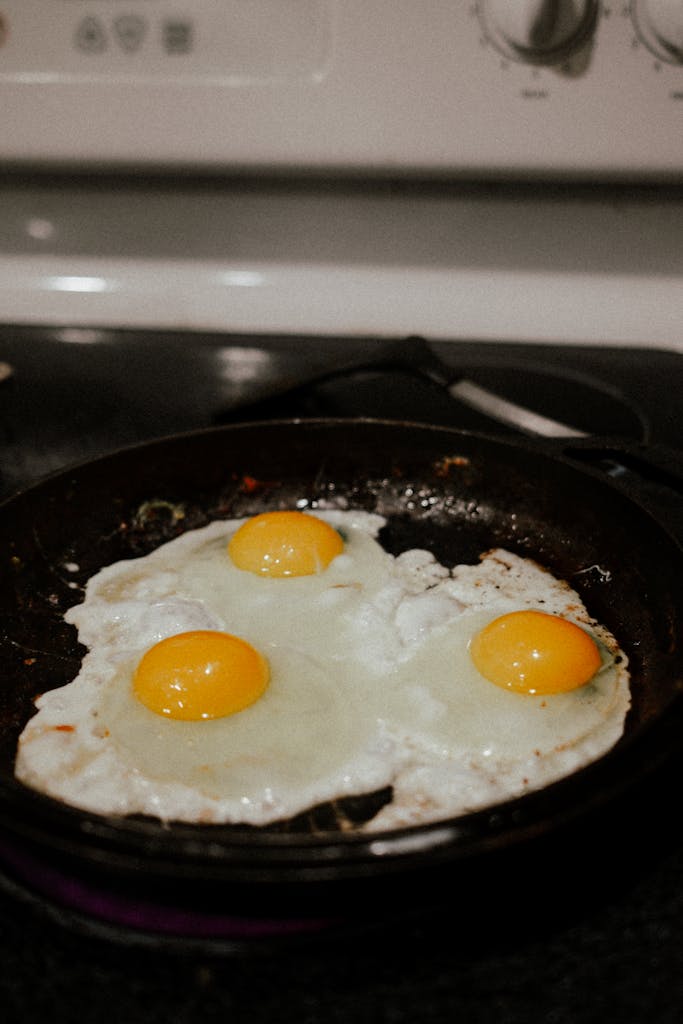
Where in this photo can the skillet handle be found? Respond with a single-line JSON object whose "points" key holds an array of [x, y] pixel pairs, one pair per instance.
{"points": [[650, 475], [654, 463]]}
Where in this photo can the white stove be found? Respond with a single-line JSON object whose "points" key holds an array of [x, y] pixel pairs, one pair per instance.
{"points": [[555, 87], [539, 264], [499, 170]]}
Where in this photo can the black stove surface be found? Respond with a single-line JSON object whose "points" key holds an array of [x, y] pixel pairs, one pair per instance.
{"points": [[72, 394]]}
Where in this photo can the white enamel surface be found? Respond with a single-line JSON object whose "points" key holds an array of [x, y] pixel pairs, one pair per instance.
{"points": [[466, 304], [363, 84], [452, 265]]}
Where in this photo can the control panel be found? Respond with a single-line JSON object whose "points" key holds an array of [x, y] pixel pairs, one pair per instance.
{"points": [[231, 42], [487, 87]]}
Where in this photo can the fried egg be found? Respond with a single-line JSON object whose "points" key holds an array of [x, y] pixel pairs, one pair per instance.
{"points": [[251, 669]]}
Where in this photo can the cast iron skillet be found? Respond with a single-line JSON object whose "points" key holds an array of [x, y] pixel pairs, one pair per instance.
{"points": [[455, 493]]}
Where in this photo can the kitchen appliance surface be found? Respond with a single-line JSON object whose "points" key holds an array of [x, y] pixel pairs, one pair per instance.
{"points": [[490, 86], [215, 215]]}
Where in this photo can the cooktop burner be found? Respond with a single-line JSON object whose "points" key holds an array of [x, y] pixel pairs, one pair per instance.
{"points": [[72, 394]]}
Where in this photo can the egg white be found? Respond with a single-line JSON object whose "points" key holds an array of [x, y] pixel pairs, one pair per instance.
{"points": [[371, 686]]}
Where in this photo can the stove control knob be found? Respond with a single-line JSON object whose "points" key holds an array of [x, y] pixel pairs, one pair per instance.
{"points": [[659, 23], [538, 31]]}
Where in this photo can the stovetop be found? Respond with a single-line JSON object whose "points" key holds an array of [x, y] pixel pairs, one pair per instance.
{"points": [[71, 394]]}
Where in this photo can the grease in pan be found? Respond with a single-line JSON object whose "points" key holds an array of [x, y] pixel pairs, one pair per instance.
{"points": [[371, 683]]}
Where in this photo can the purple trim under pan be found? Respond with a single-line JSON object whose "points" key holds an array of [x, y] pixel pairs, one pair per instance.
{"points": [[159, 920]]}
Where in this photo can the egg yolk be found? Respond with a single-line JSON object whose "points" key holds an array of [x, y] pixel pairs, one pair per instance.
{"points": [[534, 652], [200, 674], [284, 544]]}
